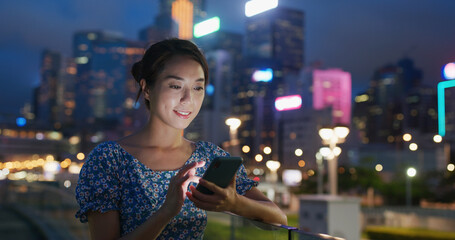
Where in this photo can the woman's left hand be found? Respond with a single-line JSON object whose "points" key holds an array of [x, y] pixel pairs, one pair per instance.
{"points": [[222, 199]]}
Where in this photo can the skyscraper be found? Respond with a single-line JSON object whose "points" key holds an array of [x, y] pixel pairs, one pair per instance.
{"points": [[274, 49], [277, 34], [103, 68], [46, 109]]}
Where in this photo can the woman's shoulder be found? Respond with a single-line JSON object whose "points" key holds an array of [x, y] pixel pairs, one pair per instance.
{"points": [[211, 148]]}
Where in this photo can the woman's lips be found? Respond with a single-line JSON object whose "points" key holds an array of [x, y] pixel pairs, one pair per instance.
{"points": [[183, 114]]}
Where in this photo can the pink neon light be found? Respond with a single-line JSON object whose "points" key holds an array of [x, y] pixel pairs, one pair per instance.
{"points": [[288, 103], [332, 88]]}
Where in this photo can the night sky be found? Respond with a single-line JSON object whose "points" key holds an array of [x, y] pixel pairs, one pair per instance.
{"points": [[358, 36]]}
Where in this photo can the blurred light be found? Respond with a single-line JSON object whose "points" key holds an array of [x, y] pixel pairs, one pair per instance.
{"points": [[325, 151], [267, 150], [51, 167], [378, 167], [233, 123], [39, 136], [74, 140], [67, 183], [337, 151], [206, 27], [407, 137], [255, 7], [301, 163], [80, 156], [437, 138], [341, 132], [273, 165], [411, 172], [326, 133], [263, 75], [81, 60], [246, 149], [256, 171], [74, 168], [298, 152], [413, 146], [441, 105], [449, 71], [361, 98], [257, 179], [310, 172], [49, 158], [258, 158], [292, 177], [288, 103], [20, 121], [210, 89], [450, 167], [55, 135]]}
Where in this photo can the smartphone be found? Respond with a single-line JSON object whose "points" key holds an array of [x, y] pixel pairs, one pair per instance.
{"points": [[221, 171]]}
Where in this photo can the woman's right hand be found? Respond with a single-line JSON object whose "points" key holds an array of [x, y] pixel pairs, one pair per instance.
{"points": [[178, 187]]}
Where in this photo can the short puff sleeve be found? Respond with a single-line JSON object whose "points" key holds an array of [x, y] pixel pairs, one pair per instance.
{"points": [[98, 185]]}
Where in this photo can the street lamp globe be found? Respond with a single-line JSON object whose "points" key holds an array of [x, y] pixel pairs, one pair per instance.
{"points": [[326, 133], [411, 172], [341, 131], [437, 138], [233, 123]]}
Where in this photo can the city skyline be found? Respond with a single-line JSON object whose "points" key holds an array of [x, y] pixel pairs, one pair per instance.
{"points": [[418, 33]]}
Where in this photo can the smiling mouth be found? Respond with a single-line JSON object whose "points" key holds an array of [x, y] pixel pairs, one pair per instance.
{"points": [[183, 114]]}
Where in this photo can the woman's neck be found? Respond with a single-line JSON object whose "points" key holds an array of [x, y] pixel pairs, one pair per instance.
{"points": [[155, 134]]}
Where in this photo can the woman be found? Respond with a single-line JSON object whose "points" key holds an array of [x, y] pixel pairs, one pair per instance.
{"points": [[137, 187]]}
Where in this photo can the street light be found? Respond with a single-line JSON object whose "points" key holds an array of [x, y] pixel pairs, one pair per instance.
{"points": [[332, 137], [234, 124], [411, 172]]}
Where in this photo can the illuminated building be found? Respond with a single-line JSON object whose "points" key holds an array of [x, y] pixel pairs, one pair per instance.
{"points": [[332, 88], [277, 34], [46, 106], [175, 19], [104, 90], [395, 103]]}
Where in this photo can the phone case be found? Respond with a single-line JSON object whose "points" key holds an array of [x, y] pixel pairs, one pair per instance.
{"points": [[220, 172]]}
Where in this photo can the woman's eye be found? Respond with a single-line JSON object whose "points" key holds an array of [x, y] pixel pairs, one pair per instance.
{"points": [[199, 88], [175, 86]]}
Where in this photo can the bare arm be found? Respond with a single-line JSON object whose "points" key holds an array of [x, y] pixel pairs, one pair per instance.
{"points": [[252, 205], [104, 226]]}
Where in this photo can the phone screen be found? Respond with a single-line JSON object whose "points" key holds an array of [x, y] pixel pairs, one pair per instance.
{"points": [[221, 171]]}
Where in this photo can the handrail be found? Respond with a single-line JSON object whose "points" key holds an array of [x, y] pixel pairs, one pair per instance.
{"points": [[52, 209]]}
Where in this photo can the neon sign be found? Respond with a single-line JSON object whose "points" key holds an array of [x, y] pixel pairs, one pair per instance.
{"points": [[288, 103]]}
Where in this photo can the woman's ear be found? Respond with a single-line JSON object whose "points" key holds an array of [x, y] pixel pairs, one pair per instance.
{"points": [[145, 89]]}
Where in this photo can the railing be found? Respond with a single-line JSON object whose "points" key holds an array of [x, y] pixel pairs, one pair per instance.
{"points": [[52, 208]]}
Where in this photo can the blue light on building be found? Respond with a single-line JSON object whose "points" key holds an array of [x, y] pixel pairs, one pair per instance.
{"points": [[20, 121]]}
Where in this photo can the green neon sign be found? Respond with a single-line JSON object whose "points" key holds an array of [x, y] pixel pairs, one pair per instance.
{"points": [[206, 27], [442, 86]]}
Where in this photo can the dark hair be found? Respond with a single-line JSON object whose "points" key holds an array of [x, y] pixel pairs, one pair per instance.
{"points": [[158, 55]]}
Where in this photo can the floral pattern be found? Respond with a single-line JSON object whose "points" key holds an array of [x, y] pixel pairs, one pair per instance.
{"points": [[112, 179]]}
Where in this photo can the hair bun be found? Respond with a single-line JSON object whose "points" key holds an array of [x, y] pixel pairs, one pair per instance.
{"points": [[136, 71]]}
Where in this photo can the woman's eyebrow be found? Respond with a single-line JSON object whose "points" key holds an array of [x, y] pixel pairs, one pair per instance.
{"points": [[181, 79]]}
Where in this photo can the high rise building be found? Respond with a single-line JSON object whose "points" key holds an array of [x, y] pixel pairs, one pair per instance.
{"points": [[332, 88], [277, 34], [104, 88], [274, 50], [395, 103], [175, 19], [46, 108]]}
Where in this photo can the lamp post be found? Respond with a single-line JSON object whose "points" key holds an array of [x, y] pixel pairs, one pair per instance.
{"points": [[332, 137], [234, 124], [411, 172]]}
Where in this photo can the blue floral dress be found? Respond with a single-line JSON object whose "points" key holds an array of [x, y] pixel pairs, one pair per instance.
{"points": [[112, 179]]}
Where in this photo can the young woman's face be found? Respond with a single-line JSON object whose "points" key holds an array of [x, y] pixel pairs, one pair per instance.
{"points": [[178, 93]]}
